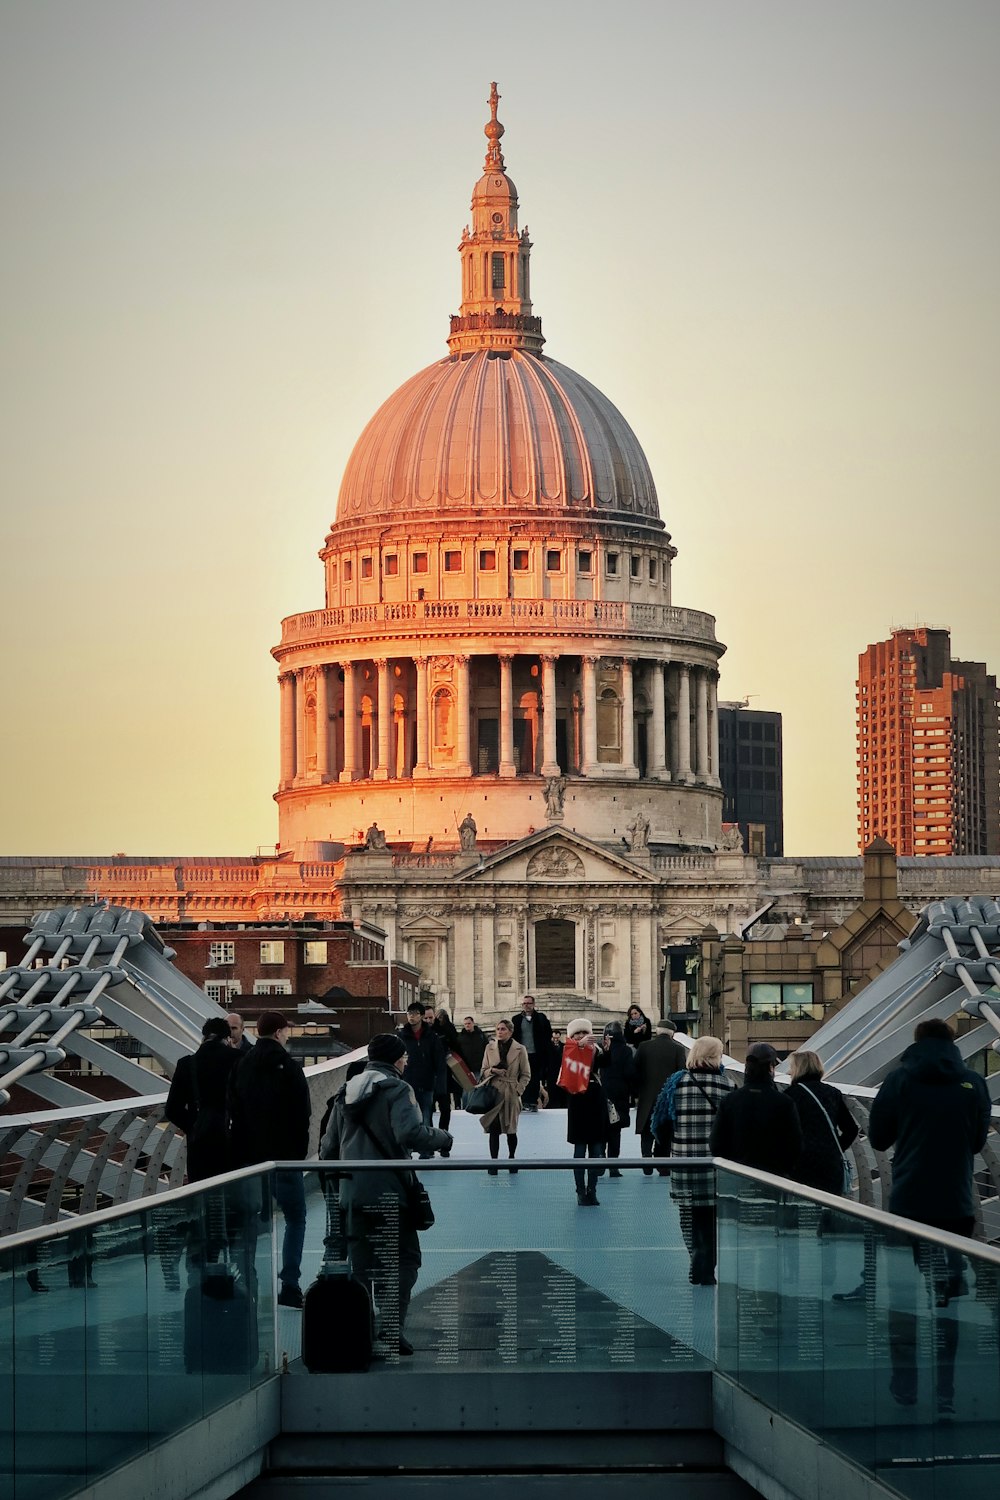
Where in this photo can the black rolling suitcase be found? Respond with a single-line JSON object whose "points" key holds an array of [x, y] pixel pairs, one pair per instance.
{"points": [[336, 1322], [220, 1324]]}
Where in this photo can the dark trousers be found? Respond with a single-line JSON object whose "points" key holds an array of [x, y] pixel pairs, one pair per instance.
{"points": [[385, 1255], [940, 1272], [586, 1181], [651, 1147], [529, 1099]]}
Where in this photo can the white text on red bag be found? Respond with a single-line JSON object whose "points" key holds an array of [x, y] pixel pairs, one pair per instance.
{"points": [[574, 1072]]}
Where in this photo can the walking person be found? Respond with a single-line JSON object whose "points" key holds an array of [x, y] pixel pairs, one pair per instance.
{"points": [[440, 1023], [694, 1097], [196, 1102], [470, 1044], [425, 1062], [269, 1113], [936, 1113], [586, 1109], [655, 1061], [533, 1031], [828, 1127], [617, 1081], [638, 1027], [757, 1124], [505, 1065], [375, 1117]]}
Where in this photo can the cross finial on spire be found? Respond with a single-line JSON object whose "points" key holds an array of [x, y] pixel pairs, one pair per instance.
{"points": [[493, 130]]}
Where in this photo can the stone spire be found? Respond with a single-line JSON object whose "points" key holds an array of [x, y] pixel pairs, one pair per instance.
{"points": [[495, 311]]}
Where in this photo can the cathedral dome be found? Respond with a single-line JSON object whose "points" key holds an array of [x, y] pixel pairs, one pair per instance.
{"points": [[505, 430]]}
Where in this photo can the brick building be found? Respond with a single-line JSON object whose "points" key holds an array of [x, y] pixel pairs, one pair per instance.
{"points": [[928, 753]]}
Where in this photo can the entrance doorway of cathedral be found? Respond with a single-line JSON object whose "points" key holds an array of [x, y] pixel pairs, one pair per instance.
{"points": [[555, 954]]}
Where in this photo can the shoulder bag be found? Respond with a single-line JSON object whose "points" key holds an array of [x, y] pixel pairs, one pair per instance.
{"points": [[415, 1196], [847, 1183], [482, 1099]]}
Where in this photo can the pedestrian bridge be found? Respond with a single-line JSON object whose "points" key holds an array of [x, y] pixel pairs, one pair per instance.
{"points": [[549, 1339]]}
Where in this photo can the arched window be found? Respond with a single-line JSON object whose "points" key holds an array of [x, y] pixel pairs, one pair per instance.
{"points": [[609, 954], [503, 960]]}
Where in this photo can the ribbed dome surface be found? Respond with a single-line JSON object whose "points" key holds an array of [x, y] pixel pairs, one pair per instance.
{"points": [[493, 431]]}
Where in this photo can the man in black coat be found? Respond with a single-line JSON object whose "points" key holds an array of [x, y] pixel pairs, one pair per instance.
{"points": [[757, 1125], [426, 1063], [196, 1103], [936, 1112], [269, 1112], [655, 1062], [533, 1031]]}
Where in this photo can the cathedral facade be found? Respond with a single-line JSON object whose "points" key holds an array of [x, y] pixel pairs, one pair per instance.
{"points": [[500, 688]]}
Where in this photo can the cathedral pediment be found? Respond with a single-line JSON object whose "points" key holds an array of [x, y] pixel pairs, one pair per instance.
{"points": [[554, 855]]}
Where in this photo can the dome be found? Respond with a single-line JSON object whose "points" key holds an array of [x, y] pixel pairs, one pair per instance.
{"points": [[496, 430]]}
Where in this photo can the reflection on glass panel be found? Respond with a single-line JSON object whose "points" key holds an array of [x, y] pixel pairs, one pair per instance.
{"points": [[515, 1275], [6, 1375], [119, 1334], [878, 1339]]}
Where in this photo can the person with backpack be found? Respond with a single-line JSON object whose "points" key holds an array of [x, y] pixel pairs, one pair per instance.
{"points": [[376, 1117]]}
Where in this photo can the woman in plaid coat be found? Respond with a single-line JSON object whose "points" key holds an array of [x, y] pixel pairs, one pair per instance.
{"points": [[697, 1092]]}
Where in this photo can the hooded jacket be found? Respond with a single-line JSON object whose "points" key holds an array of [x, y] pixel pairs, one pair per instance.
{"points": [[936, 1112], [387, 1105]]}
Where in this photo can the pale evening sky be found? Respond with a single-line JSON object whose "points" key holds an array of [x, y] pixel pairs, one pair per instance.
{"points": [[767, 229]]}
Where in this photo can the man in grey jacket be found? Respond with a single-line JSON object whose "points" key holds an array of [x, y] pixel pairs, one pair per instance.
{"points": [[375, 1117]]}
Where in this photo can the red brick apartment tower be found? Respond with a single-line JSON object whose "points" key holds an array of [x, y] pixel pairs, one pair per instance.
{"points": [[928, 756]]}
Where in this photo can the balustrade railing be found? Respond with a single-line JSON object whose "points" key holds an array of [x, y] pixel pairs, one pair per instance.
{"points": [[591, 615]]}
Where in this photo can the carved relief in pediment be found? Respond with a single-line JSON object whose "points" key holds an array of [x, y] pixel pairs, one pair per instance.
{"points": [[555, 863]]}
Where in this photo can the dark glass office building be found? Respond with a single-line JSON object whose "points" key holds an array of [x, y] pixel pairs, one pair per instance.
{"points": [[750, 769]]}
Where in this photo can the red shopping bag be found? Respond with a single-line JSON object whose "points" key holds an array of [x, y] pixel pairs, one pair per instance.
{"points": [[574, 1071]]}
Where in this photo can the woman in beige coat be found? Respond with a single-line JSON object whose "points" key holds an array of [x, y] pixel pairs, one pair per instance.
{"points": [[506, 1066]]}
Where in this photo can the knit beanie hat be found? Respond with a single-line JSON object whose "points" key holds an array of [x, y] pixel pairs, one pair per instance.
{"points": [[385, 1048]]}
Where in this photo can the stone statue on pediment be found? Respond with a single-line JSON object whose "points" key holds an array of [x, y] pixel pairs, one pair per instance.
{"points": [[638, 833], [375, 838], [467, 831], [732, 838], [555, 795]]}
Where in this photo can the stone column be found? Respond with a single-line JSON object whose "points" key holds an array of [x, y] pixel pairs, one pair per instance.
{"points": [[508, 766], [713, 730], [550, 765], [380, 771], [286, 687], [422, 768], [658, 749], [350, 767], [589, 767], [683, 723], [322, 724], [701, 725], [629, 767], [300, 725], [464, 766]]}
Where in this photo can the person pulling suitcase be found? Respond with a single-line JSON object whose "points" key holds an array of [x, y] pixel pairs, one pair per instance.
{"points": [[375, 1117]]}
